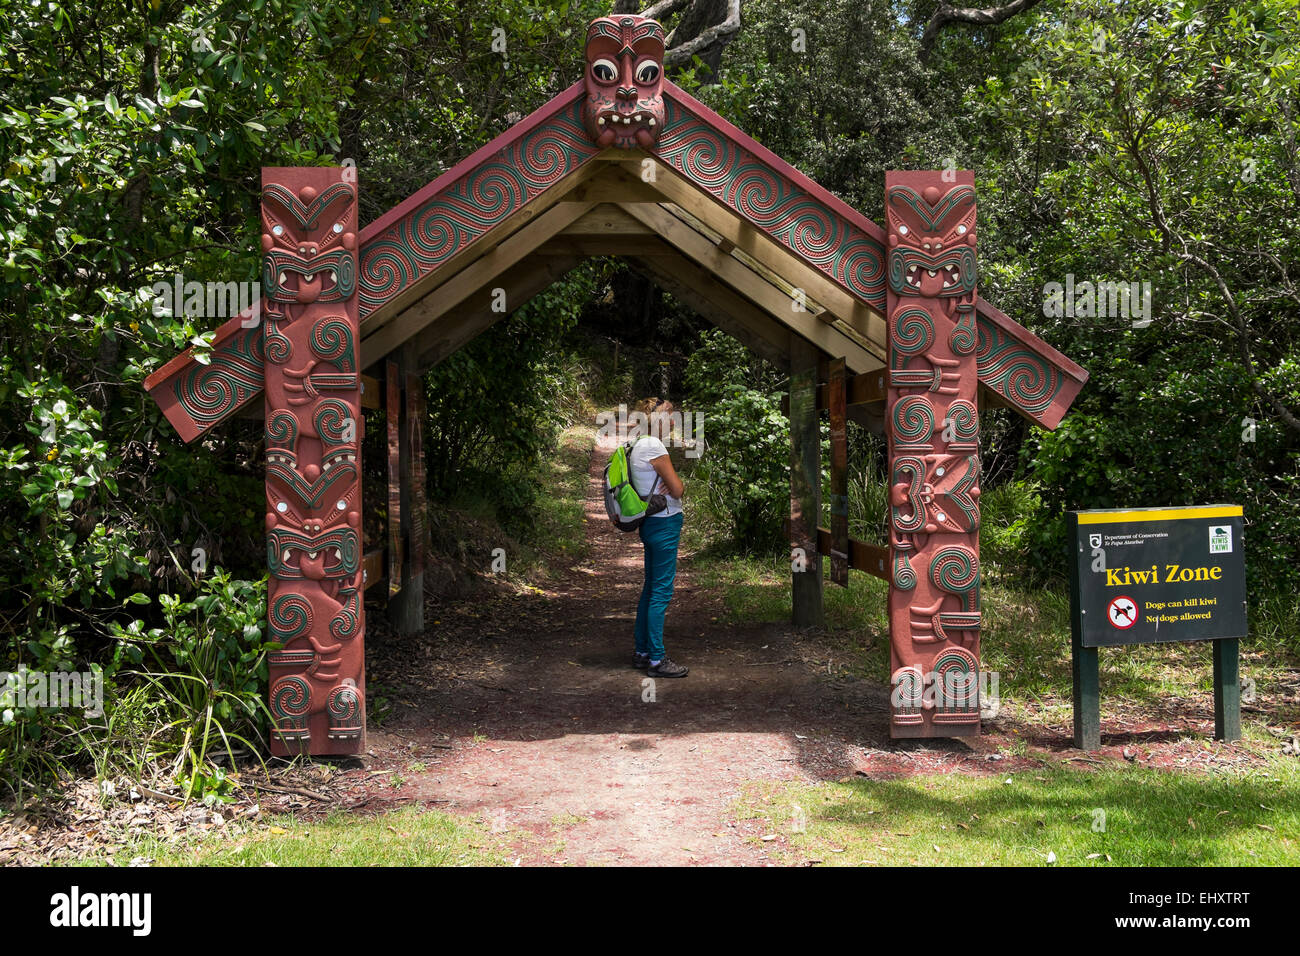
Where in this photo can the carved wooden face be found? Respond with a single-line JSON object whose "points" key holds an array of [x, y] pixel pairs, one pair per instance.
{"points": [[625, 81], [309, 245], [933, 240]]}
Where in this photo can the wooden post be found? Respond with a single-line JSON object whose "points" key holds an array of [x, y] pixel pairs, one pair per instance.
{"points": [[1227, 690], [406, 608], [805, 485], [837, 405], [1085, 669], [1084, 662], [418, 539], [393, 430], [310, 318], [933, 428]]}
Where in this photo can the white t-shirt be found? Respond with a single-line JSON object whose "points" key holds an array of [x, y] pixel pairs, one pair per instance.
{"points": [[645, 479]]}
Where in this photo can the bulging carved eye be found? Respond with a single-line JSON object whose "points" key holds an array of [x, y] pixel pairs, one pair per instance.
{"points": [[604, 70], [647, 72]]}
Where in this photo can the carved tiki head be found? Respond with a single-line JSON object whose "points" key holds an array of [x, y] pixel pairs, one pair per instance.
{"points": [[625, 81], [932, 235]]}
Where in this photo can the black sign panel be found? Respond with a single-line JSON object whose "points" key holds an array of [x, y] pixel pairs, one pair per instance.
{"points": [[1158, 574]]}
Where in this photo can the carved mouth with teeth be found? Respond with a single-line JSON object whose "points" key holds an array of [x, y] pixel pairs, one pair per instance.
{"points": [[293, 554], [308, 286], [917, 275], [626, 125]]}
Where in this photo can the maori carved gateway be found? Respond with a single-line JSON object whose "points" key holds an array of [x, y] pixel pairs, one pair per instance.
{"points": [[902, 337]]}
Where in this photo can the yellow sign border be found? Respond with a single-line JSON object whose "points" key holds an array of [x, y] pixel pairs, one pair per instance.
{"points": [[1159, 514]]}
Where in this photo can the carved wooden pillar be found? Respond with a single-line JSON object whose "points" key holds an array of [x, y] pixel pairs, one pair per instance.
{"points": [[805, 485], [837, 406], [313, 460], [933, 428]]}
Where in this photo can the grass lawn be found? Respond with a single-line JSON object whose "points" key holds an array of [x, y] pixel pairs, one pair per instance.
{"points": [[405, 837], [1133, 816], [1106, 817]]}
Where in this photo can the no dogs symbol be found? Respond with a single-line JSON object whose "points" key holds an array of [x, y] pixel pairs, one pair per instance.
{"points": [[1123, 613]]}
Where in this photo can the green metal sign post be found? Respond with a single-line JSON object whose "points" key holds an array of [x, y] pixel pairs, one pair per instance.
{"points": [[1148, 575]]}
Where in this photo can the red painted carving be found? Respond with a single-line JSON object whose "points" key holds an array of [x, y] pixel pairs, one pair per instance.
{"points": [[624, 81], [933, 428], [313, 460]]}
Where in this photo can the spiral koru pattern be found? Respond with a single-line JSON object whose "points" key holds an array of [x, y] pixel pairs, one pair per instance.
{"points": [[773, 202], [955, 673], [913, 420], [332, 417], [291, 697], [348, 620], [386, 270], [344, 705], [290, 616], [1025, 379], [965, 420], [955, 569], [963, 337], [281, 429], [211, 392], [912, 332], [904, 575], [277, 345], [471, 205], [331, 340], [909, 687]]}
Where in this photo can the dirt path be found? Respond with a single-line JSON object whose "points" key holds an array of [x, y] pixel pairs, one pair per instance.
{"points": [[526, 711]]}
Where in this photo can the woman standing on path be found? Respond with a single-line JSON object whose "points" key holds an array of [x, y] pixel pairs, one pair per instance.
{"points": [[651, 471]]}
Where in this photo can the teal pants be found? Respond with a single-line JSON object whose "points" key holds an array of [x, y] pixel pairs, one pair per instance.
{"points": [[660, 537]]}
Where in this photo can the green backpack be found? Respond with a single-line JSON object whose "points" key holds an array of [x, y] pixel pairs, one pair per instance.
{"points": [[626, 508]]}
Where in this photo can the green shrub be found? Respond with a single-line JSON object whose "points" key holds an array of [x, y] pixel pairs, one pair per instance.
{"points": [[744, 469]]}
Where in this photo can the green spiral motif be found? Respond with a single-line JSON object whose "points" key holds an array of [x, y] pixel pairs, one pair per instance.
{"points": [[331, 339], [954, 671], [291, 697], [344, 706], [913, 331], [904, 575], [290, 617], [909, 687], [281, 430], [963, 338], [955, 569], [1011, 369], [348, 620], [278, 347], [210, 393], [965, 420], [913, 420], [331, 421]]}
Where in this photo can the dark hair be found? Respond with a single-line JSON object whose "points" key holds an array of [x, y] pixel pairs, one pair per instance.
{"points": [[651, 405]]}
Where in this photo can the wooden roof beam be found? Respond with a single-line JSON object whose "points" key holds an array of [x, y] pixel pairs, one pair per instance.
{"points": [[456, 289], [772, 300]]}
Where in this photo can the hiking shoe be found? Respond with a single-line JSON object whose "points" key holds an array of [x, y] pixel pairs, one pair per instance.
{"points": [[666, 668], [640, 661]]}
